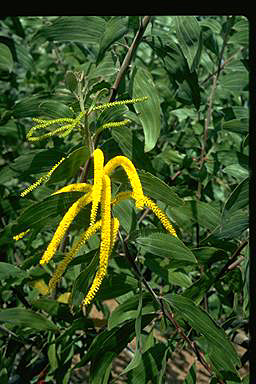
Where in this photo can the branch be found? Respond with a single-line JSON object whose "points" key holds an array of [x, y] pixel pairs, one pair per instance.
{"points": [[167, 314], [129, 57]]}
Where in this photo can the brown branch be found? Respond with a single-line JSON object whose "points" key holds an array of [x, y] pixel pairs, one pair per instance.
{"points": [[166, 312], [128, 57]]}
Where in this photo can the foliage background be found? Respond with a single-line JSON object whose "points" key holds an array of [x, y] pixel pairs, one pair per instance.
{"points": [[190, 145]]}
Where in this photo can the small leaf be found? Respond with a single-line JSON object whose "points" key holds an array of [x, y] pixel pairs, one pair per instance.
{"points": [[26, 318], [149, 110], [6, 60]]}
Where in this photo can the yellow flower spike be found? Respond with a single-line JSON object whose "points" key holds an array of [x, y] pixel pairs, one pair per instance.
{"points": [[76, 187], [161, 216], [105, 245], [132, 175], [121, 102], [63, 227], [20, 235], [71, 254], [113, 124], [42, 179], [151, 205], [63, 130], [102, 271], [106, 220], [97, 186]]}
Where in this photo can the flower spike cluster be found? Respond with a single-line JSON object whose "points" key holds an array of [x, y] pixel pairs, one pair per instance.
{"points": [[63, 126], [99, 194]]}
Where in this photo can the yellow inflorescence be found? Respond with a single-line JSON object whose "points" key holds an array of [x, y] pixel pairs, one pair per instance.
{"points": [[20, 235], [71, 254], [77, 187], [42, 179], [132, 175], [99, 194], [161, 215], [97, 186], [63, 130], [121, 102], [63, 227], [113, 124]]}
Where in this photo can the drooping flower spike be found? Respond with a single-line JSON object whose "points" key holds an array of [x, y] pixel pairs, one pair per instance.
{"points": [[99, 193]]}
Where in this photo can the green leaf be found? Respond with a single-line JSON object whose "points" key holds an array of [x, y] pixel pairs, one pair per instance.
{"points": [[83, 280], [159, 190], [40, 214], [27, 106], [188, 35], [201, 321], [170, 275], [209, 255], [54, 109], [239, 198], [191, 376], [116, 284], [36, 161], [84, 29], [6, 60], [26, 318], [150, 370], [125, 213], [165, 245], [128, 310], [109, 343], [149, 110], [137, 356], [8, 270], [240, 126], [115, 28], [71, 165]]}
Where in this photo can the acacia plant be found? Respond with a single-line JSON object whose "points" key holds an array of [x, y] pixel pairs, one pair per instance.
{"points": [[124, 181]]}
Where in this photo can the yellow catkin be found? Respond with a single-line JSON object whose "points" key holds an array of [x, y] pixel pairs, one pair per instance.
{"points": [[20, 235], [97, 186], [113, 124], [71, 254], [105, 245], [42, 179], [121, 102], [76, 187], [151, 205], [62, 130], [161, 215], [63, 227], [132, 175]]}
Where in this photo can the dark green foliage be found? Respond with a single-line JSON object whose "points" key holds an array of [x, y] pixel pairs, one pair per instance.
{"points": [[189, 143]]}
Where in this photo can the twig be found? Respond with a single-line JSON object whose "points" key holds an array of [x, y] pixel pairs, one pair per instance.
{"points": [[167, 314], [231, 264], [210, 101], [128, 57]]}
